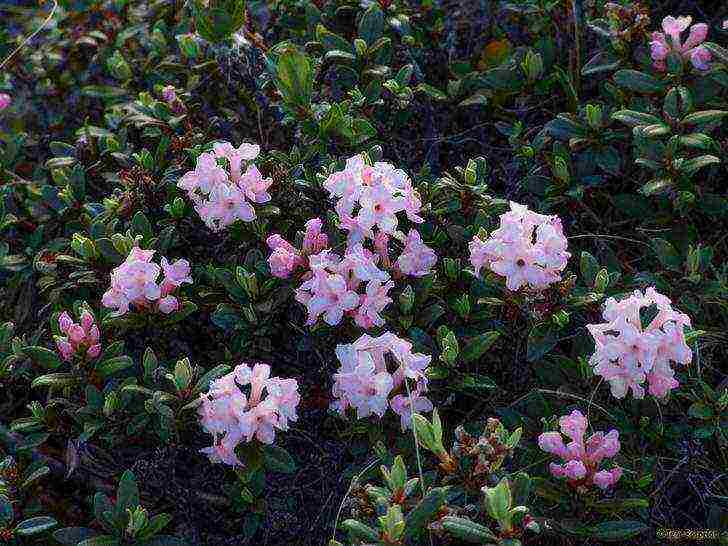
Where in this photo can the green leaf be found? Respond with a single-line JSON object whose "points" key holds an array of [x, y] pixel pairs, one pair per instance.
{"points": [[127, 495], [6, 512], [638, 81], [699, 410], [701, 118], [667, 254], [371, 26], [45, 357], [656, 185], [719, 52], [613, 531], [35, 526], [634, 118], [278, 459], [103, 540], [468, 530], [478, 345], [423, 512], [697, 140], [294, 78], [693, 165], [103, 91], [541, 339], [589, 267], [360, 531], [477, 381], [112, 366], [430, 91], [165, 540], [54, 380]]}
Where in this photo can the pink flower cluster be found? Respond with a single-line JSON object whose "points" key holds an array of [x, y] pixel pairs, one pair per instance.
{"points": [[527, 249], [365, 382], [223, 196], [232, 418], [691, 50], [136, 282], [627, 353], [5, 101], [582, 457], [285, 258], [352, 284], [370, 197], [83, 339]]}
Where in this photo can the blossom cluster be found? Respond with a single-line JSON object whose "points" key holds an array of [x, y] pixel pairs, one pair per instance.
{"points": [[663, 43], [629, 353], [364, 380], [78, 339], [285, 258], [582, 457], [223, 195], [355, 283], [232, 417], [136, 282], [369, 197], [527, 249]]}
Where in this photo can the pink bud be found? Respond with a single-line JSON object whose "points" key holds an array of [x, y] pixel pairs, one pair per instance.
{"points": [[557, 470], [76, 334], [168, 304], [698, 34], [65, 349], [94, 351], [551, 442], [5, 101], [93, 335], [87, 320], [64, 322], [606, 478], [575, 470]]}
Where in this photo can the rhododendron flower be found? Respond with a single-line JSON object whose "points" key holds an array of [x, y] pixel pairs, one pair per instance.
{"points": [[232, 417], [668, 41], [5, 101], [136, 282], [417, 259], [628, 352], [374, 368], [582, 457], [370, 197], [222, 197], [79, 339], [527, 249]]}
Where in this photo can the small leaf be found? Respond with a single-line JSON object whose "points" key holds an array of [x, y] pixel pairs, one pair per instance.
{"points": [[278, 459], [45, 357], [667, 254], [468, 530], [541, 339], [478, 345], [371, 26], [638, 81], [35, 526], [700, 410], [112, 366], [612, 531]]}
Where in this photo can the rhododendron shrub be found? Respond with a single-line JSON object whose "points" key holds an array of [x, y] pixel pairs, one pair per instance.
{"points": [[372, 375], [234, 417], [225, 183], [630, 351], [528, 249], [137, 282], [663, 43], [82, 338], [582, 457]]}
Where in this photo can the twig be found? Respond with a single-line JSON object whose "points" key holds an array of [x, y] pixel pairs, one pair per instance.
{"points": [[33, 35]]}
